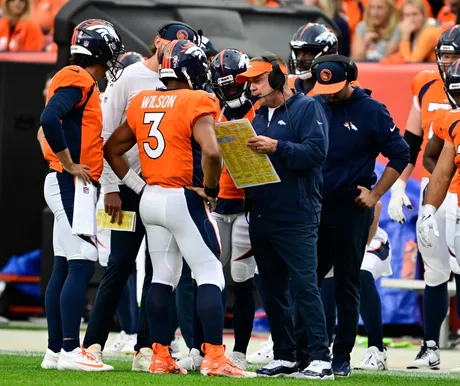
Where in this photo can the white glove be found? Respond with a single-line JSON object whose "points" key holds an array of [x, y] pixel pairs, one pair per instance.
{"points": [[397, 201], [427, 226]]}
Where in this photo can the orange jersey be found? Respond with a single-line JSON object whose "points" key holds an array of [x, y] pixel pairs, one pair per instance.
{"points": [[83, 125], [228, 190], [444, 123], [429, 96], [162, 122]]}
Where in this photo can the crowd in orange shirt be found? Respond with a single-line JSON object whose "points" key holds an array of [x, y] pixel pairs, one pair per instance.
{"points": [[28, 25], [385, 31]]}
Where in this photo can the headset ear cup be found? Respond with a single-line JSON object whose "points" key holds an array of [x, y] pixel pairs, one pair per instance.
{"points": [[276, 78], [355, 71]]}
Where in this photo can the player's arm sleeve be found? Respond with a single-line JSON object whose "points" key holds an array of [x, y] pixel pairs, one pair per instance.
{"points": [[112, 115], [313, 136], [391, 144], [60, 104]]}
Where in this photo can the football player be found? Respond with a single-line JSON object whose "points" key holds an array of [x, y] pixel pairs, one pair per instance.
{"points": [[128, 309], [311, 41], [124, 246], [72, 125], [429, 96], [443, 121], [233, 103], [174, 131]]}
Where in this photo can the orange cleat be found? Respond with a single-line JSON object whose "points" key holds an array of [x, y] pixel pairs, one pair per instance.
{"points": [[216, 364], [162, 362]]}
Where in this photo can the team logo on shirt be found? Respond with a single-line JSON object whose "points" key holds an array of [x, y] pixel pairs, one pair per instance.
{"points": [[350, 126]]}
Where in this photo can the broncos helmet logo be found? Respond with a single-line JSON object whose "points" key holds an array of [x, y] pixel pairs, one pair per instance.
{"points": [[326, 37], [195, 51], [244, 61]]}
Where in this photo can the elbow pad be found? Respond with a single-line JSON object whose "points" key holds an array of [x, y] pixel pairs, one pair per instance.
{"points": [[415, 143]]}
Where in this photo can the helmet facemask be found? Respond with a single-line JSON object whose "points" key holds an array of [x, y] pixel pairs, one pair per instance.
{"points": [[114, 66], [302, 66], [233, 94]]}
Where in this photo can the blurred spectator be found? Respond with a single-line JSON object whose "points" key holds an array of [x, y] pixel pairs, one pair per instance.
{"points": [[375, 31], [45, 12], [18, 32], [353, 11], [332, 9], [447, 15], [267, 3], [416, 37]]}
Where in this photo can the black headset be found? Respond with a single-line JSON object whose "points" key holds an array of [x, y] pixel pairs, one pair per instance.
{"points": [[276, 78], [350, 66], [164, 28]]}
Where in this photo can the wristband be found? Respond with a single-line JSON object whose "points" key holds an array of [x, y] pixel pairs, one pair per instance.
{"points": [[133, 181], [213, 193]]}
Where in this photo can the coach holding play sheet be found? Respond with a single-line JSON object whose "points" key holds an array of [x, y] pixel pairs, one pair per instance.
{"points": [[360, 128], [283, 225]]}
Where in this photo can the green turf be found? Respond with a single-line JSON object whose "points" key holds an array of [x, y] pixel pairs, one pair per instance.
{"points": [[21, 327], [25, 370]]}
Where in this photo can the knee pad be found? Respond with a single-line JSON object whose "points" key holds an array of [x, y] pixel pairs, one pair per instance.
{"points": [[433, 278], [210, 272], [243, 270], [167, 270]]}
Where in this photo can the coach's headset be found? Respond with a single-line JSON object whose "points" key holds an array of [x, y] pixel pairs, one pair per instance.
{"points": [[276, 78], [351, 69], [164, 28]]}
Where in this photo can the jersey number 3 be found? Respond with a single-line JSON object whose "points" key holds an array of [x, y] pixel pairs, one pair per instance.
{"points": [[154, 119]]}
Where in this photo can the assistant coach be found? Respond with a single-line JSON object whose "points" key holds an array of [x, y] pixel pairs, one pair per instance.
{"points": [[284, 217], [360, 128]]}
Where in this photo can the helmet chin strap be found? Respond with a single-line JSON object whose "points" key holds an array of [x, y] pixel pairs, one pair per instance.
{"points": [[452, 100], [305, 75], [184, 71], [237, 102]]}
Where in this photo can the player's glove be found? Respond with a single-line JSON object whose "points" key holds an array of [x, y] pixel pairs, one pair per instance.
{"points": [[398, 200], [427, 226]]}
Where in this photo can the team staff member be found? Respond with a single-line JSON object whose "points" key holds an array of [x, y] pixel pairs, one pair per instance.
{"points": [[360, 128], [284, 217], [72, 125], [125, 245]]}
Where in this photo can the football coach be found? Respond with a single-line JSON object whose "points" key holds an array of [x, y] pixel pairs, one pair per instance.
{"points": [[360, 128], [284, 217]]}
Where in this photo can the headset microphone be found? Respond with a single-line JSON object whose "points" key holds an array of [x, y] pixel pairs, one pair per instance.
{"points": [[266, 95]]}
